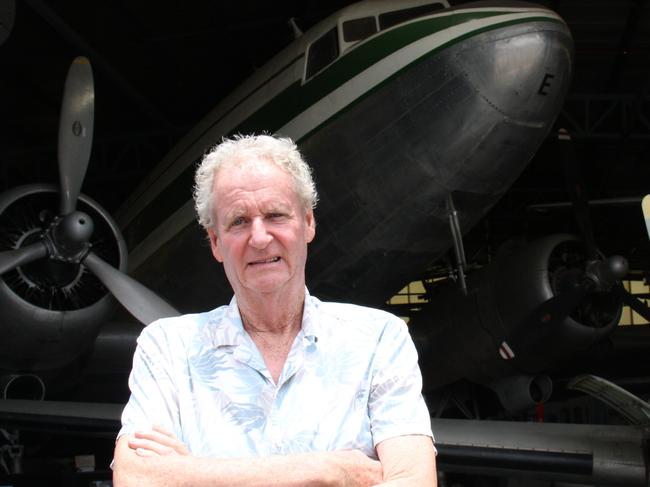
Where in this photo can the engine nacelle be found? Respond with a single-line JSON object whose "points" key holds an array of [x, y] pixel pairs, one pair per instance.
{"points": [[51, 311], [489, 335]]}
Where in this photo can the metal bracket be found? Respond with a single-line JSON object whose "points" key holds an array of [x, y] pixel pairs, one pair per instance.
{"points": [[457, 237], [13, 451]]}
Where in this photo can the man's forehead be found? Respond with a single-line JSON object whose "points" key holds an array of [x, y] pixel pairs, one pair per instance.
{"points": [[265, 205], [240, 173], [255, 181], [238, 179]]}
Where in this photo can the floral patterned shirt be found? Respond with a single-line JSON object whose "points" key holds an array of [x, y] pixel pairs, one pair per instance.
{"points": [[350, 381]]}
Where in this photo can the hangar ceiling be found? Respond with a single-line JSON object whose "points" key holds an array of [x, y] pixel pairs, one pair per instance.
{"points": [[160, 66]]}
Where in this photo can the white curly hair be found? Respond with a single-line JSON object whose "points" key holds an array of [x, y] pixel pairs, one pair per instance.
{"points": [[238, 149]]}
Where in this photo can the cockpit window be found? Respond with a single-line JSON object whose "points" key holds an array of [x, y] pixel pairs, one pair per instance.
{"points": [[390, 19], [358, 29], [322, 52]]}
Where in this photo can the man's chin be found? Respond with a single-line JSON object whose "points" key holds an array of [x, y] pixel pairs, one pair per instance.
{"points": [[267, 284]]}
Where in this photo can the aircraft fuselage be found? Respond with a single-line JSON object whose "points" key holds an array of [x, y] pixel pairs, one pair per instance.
{"points": [[455, 101]]}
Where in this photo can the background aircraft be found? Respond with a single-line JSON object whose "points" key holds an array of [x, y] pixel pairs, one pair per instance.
{"points": [[37, 6]]}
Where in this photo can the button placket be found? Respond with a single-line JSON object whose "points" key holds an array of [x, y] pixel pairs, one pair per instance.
{"points": [[273, 430]]}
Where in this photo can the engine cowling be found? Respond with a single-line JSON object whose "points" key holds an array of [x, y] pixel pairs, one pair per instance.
{"points": [[51, 310], [488, 334]]}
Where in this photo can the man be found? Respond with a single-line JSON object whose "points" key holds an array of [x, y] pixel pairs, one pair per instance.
{"points": [[278, 388]]}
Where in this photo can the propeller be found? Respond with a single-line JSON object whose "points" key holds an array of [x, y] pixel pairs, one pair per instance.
{"points": [[66, 237], [611, 270], [11, 259], [139, 300], [570, 288], [634, 303], [75, 131]]}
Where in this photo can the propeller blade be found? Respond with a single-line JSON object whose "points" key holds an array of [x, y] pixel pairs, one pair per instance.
{"points": [[139, 300], [547, 316], [11, 259], [633, 302], [75, 131], [559, 307], [577, 193]]}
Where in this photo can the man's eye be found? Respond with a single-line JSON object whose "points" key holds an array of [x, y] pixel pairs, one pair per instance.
{"points": [[237, 222], [275, 216]]}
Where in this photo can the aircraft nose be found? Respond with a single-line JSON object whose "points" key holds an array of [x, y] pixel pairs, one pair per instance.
{"points": [[523, 71], [509, 86]]}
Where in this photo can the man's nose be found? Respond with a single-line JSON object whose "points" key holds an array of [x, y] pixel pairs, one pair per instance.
{"points": [[260, 237]]}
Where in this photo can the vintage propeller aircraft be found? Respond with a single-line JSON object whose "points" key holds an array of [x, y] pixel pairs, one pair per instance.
{"points": [[416, 117]]}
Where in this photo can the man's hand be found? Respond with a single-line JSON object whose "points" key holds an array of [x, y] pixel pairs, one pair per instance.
{"points": [[157, 441]]}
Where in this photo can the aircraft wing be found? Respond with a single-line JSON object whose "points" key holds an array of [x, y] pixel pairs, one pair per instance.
{"points": [[79, 418], [581, 453]]}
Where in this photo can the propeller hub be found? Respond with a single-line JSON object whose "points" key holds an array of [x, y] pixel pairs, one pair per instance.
{"points": [[68, 237], [75, 229], [617, 267], [604, 274]]}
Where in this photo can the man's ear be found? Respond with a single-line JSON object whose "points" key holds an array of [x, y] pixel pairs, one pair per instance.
{"points": [[214, 245], [311, 226]]}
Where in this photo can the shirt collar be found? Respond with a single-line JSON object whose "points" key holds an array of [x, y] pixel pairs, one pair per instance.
{"points": [[310, 328], [228, 329]]}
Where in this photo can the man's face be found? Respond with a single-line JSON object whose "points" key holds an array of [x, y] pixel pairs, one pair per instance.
{"points": [[261, 231]]}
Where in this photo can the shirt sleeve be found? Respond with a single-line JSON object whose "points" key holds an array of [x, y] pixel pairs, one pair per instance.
{"points": [[153, 398], [396, 406]]}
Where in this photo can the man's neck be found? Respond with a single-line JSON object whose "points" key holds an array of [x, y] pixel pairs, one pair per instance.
{"points": [[273, 323], [277, 314]]}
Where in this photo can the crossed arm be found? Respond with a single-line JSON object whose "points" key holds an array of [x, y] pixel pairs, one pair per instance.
{"points": [[157, 458]]}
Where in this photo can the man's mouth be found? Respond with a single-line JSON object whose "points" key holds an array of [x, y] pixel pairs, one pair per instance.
{"points": [[270, 260]]}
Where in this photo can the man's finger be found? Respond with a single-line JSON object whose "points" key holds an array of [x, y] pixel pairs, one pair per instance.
{"points": [[158, 437], [145, 453], [164, 440], [161, 429], [142, 443]]}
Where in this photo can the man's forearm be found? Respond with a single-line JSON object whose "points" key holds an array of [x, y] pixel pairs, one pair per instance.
{"points": [[181, 471], [350, 468], [408, 461]]}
